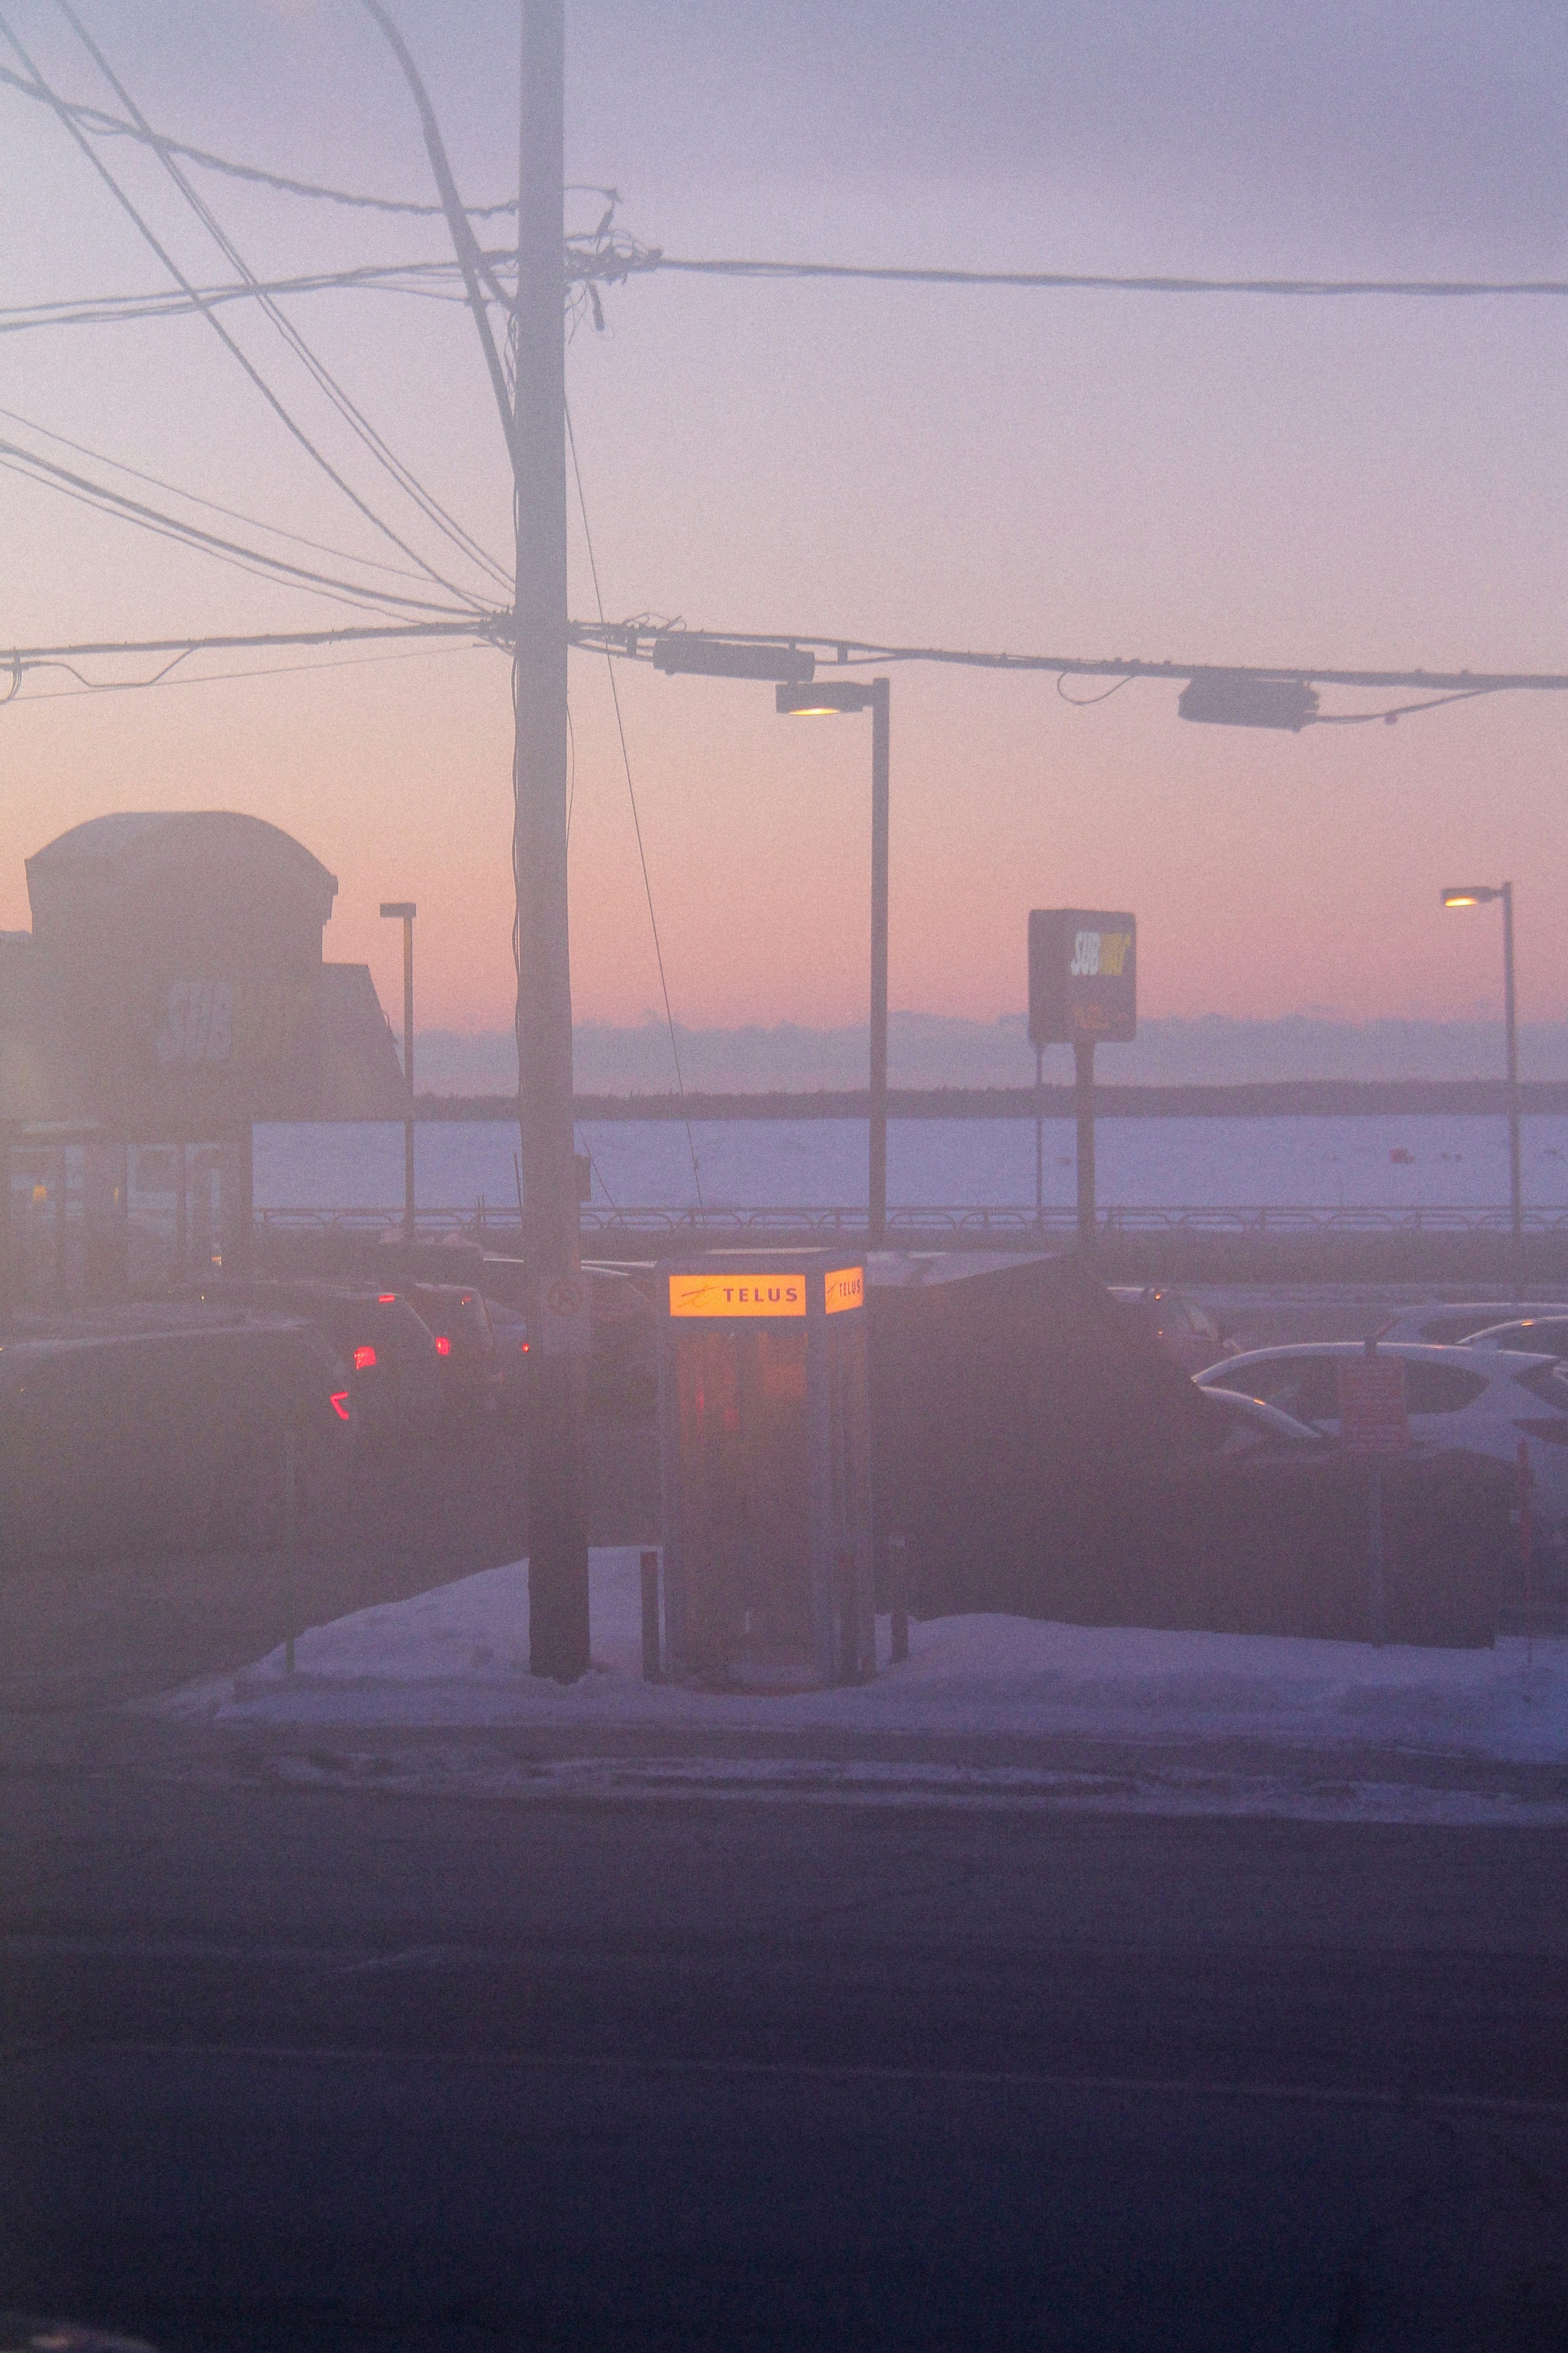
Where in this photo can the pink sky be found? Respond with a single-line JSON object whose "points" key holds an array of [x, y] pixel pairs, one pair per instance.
{"points": [[1365, 485]]}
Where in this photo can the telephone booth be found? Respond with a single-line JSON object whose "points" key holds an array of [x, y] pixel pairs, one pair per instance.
{"points": [[766, 1451]]}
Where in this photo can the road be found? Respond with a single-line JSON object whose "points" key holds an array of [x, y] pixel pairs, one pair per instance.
{"points": [[320, 2067]]}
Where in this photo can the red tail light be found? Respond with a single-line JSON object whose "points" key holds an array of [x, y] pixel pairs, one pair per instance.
{"points": [[523, 1346], [341, 1404], [443, 1345], [386, 1299], [364, 1360]]}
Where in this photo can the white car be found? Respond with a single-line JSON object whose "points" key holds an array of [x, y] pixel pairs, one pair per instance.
{"points": [[1448, 1321], [1485, 1399]]}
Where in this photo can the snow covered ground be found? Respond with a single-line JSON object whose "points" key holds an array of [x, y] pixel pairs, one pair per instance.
{"points": [[456, 1658]]}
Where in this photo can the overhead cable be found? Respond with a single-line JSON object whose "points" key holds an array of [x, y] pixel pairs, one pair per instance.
{"points": [[1105, 282], [429, 281], [213, 506], [107, 499], [354, 417], [95, 120], [273, 401], [636, 820]]}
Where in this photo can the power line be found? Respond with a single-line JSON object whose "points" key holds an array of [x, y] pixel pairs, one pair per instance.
{"points": [[104, 498], [631, 794], [214, 506], [325, 381], [218, 677], [1103, 282], [273, 401], [95, 120], [117, 310], [636, 639]]}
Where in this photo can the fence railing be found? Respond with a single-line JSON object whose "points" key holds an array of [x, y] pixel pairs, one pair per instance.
{"points": [[958, 1221]]}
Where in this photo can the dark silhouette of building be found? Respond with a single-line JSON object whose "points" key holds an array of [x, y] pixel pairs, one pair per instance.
{"points": [[170, 993]]}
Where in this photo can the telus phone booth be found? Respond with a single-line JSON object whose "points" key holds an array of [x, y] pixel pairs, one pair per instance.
{"points": [[765, 1450]]}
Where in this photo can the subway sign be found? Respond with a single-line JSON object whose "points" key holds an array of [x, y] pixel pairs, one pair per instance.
{"points": [[1083, 977]]}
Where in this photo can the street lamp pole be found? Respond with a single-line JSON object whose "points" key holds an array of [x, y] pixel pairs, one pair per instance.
{"points": [[404, 910], [1481, 894], [877, 1219], [1515, 1172], [824, 699]]}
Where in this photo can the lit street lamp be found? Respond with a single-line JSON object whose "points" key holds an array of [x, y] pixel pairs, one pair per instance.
{"points": [[824, 701], [1481, 894], [403, 911]]}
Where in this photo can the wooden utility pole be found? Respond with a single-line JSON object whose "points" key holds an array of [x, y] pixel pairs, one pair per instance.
{"points": [[557, 1520]]}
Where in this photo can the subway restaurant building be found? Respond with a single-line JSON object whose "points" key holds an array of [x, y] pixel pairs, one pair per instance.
{"points": [[170, 993]]}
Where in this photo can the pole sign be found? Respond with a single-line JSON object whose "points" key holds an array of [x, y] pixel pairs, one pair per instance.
{"points": [[1083, 977], [1374, 1416], [564, 1322]]}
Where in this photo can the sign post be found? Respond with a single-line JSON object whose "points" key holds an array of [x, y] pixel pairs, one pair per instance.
{"points": [[1083, 988], [1374, 1423]]}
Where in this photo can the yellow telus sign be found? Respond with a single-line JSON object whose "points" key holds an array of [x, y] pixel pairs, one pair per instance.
{"points": [[845, 1288], [737, 1294]]}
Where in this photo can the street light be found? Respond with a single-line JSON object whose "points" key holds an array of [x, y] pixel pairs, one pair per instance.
{"points": [[403, 911], [823, 699], [1481, 894]]}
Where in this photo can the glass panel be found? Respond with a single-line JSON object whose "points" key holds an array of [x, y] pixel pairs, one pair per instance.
{"points": [[745, 1502]]}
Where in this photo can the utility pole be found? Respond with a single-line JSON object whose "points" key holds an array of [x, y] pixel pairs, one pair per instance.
{"points": [[557, 1520], [403, 911]]}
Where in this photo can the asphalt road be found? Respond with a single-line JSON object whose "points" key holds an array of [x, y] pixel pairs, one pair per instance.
{"points": [[315, 2067]]}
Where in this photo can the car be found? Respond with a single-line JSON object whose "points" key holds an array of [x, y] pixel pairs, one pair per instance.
{"points": [[1187, 1333], [1248, 1425], [391, 1361], [466, 1349], [1485, 1400], [1528, 1335], [1445, 1322], [177, 1436]]}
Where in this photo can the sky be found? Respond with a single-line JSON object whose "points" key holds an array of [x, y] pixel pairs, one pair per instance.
{"points": [[1349, 485]]}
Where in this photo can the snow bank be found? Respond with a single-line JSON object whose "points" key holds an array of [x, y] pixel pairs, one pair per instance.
{"points": [[458, 1656]]}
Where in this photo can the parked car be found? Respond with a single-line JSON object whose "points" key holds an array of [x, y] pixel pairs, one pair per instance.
{"points": [[1187, 1333], [1249, 1425], [1444, 1323], [467, 1358], [391, 1359], [1529, 1335], [1483, 1399], [115, 1442]]}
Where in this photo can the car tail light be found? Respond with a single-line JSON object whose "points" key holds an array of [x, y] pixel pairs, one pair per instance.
{"points": [[523, 1346], [386, 1299], [364, 1360], [443, 1345], [341, 1404], [1555, 1433], [467, 1300]]}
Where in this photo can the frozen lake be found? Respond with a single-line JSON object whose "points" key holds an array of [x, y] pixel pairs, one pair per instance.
{"points": [[1326, 1164]]}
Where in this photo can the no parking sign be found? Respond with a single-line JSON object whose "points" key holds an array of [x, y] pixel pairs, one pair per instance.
{"points": [[565, 1319]]}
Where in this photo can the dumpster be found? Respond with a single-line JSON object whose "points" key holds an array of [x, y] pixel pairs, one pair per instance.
{"points": [[765, 1460]]}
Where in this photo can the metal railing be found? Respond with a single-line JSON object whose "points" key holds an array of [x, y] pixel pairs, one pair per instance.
{"points": [[478, 1223]]}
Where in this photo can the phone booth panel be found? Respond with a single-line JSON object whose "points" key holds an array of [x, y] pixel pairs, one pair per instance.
{"points": [[765, 1457]]}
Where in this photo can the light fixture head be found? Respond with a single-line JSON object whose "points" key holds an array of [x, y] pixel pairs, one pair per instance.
{"points": [[403, 908], [822, 700], [1470, 895], [690, 654], [1231, 698]]}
